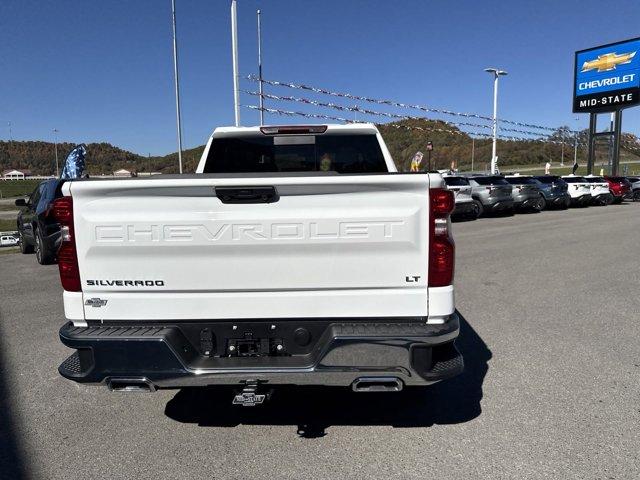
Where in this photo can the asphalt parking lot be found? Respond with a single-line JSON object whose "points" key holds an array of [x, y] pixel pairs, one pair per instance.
{"points": [[551, 340]]}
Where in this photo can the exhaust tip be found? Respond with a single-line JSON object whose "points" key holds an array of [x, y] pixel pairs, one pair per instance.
{"points": [[377, 384], [133, 385]]}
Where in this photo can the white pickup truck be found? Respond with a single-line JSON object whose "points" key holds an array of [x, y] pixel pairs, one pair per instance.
{"points": [[295, 255]]}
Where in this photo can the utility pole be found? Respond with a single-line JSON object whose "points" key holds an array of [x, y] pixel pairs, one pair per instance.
{"points": [[234, 56], [177, 84], [260, 86], [10, 141], [562, 149], [496, 74], [55, 143]]}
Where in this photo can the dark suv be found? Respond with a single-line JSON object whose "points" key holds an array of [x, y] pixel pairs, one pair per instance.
{"points": [[526, 193], [38, 230], [554, 190]]}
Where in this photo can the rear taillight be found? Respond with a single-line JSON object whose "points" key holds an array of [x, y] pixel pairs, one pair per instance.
{"points": [[442, 248], [67, 254]]}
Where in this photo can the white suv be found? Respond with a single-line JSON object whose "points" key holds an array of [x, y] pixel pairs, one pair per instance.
{"points": [[579, 189], [600, 193]]}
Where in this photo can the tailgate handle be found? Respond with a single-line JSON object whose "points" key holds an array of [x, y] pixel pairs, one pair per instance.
{"points": [[247, 194]]}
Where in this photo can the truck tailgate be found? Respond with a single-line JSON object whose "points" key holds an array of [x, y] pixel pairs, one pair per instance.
{"points": [[330, 246]]}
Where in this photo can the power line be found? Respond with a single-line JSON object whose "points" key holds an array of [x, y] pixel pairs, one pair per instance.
{"points": [[356, 108], [291, 113], [393, 103]]}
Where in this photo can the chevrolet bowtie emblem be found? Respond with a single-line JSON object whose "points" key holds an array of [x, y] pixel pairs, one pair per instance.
{"points": [[95, 302], [608, 61]]}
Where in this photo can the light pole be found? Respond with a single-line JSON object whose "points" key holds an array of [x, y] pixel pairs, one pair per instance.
{"points": [[473, 151], [260, 86], [575, 146], [55, 143], [234, 58], [496, 74], [177, 84]]}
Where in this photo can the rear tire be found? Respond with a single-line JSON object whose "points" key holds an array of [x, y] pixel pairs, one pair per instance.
{"points": [[636, 195], [478, 208], [542, 204], [25, 248], [43, 254], [566, 204], [475, 211]]}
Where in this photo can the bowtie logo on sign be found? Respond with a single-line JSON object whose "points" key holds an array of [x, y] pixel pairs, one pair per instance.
{"points": [[607, 62]]}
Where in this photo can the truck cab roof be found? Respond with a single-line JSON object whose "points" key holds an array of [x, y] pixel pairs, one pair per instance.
{"points": [[311, 129]]}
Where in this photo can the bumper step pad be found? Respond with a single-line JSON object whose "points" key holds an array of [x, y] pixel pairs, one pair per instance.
{"points": [[417, 352]]}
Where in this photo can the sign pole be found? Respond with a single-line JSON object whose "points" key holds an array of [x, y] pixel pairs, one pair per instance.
{"points": [[592, 130], [615, 160]]}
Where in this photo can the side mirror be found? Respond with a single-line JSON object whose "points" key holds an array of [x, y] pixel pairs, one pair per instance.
{"points": [[21, 202]]}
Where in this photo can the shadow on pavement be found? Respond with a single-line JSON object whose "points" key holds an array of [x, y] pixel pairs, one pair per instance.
{"points": [[314, 409], [11, 460]]}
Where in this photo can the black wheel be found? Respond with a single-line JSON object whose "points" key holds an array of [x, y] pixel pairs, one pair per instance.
{"points": [[636, 195], [43, 254], [474, 213], [542, 204], [479, 209], [617, 200], [25, 248], [609, 199], [566, 204]]}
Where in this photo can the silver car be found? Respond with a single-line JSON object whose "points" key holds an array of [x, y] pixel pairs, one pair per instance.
{"points": [[635, 188], [491, 193]]}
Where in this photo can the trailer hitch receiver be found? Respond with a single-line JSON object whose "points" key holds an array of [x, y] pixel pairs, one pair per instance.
{"points": [[249, 396]]}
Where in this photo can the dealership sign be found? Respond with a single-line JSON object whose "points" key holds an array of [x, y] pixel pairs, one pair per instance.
{"points": [[607, 78]]}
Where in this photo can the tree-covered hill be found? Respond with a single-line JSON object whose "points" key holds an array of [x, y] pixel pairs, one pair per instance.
{"points": [[404, 139]]}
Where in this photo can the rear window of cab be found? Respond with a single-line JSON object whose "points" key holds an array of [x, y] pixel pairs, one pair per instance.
{"points": [[456, 181]]}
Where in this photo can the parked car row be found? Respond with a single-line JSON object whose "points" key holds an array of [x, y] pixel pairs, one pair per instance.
{"points": [[477, 194]]}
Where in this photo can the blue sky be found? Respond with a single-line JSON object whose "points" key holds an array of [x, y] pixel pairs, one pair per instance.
{"points": [[103, 71]]}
